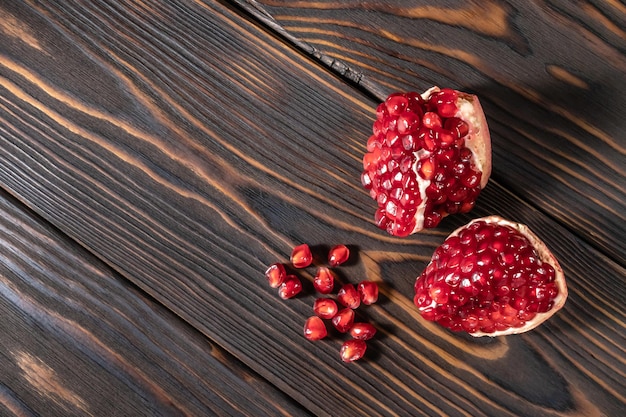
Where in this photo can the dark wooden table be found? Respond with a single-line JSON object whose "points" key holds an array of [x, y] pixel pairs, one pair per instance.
{"points": [[156, 156]]}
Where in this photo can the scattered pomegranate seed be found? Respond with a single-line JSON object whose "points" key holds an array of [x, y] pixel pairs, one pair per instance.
{"points": [[362, 331], [348, 296], [353, 350], [338, 255], [324, 280], [314, 328], [368, 291], [325, 308], [343, 320], [290, 287], [301, 256], [275, 274]]}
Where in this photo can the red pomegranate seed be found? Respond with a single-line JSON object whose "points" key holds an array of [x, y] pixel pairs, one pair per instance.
{"points": [[324, 280], [275, 274], [314, 328], [362, 331], [325, 308], [290, 287], [343, 320], [348, 296], [301, 256], [352, 350], [368, 292], [338, 255]]}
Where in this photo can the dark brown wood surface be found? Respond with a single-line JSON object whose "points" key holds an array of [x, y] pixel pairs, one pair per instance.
{"points": [[187, 145], [79, 339]]}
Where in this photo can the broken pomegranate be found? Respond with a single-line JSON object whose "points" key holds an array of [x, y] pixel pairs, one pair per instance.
{"points": [[368, 292], [324, 280], [338, 255], [275, 274], [362, 331], [344, 320], [325, 308], [291, 287], [314, 328], [301, 256], [491, 277], [429, 156], [348, 296], [352, 350]]}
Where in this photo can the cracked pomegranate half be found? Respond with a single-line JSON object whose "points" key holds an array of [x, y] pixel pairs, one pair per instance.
{"points": [[491, 277], [429, 156]]}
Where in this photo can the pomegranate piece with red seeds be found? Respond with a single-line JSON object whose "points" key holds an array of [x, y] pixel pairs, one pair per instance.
{"points": [[314, 328], [343, 320], [291, 287], [275, 274], [348, 296], [338, 255], [429, 156], [352, 350], [362, 331], [491, 277], [325, 308], [301, 256], [324, 280], [368, 292]]}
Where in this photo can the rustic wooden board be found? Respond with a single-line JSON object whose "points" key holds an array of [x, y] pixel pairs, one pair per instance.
{"points": [[550, 76], [189, 148], [78, 339]]}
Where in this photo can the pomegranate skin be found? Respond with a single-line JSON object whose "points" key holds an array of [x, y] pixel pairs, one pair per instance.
{"points": [[491, 277], [429, 156]]}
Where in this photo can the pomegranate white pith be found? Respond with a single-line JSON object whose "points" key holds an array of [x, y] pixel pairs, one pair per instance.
{"points": [[429, 156], [491, 277]]}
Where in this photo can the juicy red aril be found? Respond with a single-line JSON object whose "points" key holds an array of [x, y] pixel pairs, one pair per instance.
{"points": [[362, 331], [352, 350], [301, 256], [368, 292], [325, 308], [343, 320], [314, 328], [487, 278], [324, 280], [275, 274], [338, 254], [291, 287], [348, 296]]}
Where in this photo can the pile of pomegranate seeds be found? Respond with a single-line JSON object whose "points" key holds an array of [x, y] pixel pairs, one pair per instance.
{"points": [[340, 311]]}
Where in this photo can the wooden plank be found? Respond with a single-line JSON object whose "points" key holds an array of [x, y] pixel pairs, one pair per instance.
{"points": [[550, 77], [189, 148], [78, 339]]}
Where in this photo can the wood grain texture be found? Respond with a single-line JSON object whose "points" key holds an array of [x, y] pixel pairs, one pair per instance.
{"points": [[77, 339], [188, 148], [550, 76]]}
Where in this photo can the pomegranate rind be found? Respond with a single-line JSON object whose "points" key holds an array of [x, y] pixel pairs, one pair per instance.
{"points": [[547, 257], [478, 139]]}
